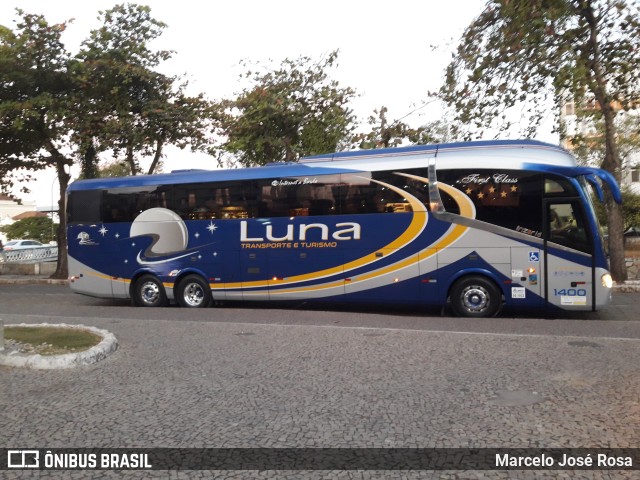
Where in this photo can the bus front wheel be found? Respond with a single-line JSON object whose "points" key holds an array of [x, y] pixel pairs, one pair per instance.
{"points": [[475, 297], [149, 292], [193, 292]]}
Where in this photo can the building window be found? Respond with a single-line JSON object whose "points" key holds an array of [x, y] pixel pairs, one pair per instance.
{"points": [[569, 108]]}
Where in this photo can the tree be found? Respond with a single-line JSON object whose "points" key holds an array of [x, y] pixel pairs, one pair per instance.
{"points": [[56, 109], [589, 145], [631, 208], [37, 228], [129, 108], [36, 101], [117, 168], [384, 134], [292, 111], [518, 56]]}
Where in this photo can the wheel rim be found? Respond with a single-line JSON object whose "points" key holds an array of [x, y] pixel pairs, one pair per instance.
{"points": [[193, 294], [475, 299], [150, 292]]}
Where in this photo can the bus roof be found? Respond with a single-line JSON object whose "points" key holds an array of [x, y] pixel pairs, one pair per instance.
{"points": [[505, 154], [433, 148]]}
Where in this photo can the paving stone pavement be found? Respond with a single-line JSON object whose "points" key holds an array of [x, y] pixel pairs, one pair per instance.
{"points": [[187, 384]]}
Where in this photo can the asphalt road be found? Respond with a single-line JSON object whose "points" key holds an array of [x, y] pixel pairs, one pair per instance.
{"points": [[259, 376]]}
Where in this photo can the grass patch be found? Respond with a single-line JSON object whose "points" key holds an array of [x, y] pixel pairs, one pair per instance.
{"points": [[52, 340]]}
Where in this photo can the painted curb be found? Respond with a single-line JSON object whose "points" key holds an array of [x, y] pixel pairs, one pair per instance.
{"points": [[107, 346]]}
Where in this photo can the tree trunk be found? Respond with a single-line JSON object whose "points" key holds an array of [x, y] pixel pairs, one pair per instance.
{"points": [[62, 269], [612, 164], [616, 240], [611, 161], [157, 156], [89, 161], [131, 161]]}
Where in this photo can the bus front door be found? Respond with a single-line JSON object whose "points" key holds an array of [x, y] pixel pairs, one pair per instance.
{"points": [[568, 256]]}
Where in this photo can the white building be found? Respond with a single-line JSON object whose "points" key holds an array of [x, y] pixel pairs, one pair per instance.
{"points": [[10, 208]]}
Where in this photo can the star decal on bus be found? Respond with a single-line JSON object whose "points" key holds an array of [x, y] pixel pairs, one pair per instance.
{"points": [[212, 227], [103, 230]]}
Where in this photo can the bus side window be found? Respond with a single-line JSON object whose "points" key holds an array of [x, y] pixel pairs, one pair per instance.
{"points": [[506, 198], [363, 196], [84, 206]]}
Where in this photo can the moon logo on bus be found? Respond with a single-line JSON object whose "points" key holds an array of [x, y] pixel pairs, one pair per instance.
{"points": [[167, 229]]}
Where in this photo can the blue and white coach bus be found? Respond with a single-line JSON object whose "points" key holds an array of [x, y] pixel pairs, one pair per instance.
{"points": [[479, 225]]}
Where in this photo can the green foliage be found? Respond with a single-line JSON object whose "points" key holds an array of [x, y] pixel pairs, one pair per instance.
{"points": [[36, 228], [521, 55], [591, 149], [113, 169], [385, 135], [630, 208], [38, 101], [56, 109], [288, 112], [128, 107], [34, 97]]}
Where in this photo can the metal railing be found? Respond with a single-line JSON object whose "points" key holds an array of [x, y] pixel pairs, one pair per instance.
{"points": [[46, 253]]}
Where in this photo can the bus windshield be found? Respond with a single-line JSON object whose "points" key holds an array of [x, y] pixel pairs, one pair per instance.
{"points": [[595, 205]]}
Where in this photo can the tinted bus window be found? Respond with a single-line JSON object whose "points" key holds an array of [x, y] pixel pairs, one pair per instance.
{"points": [[299, 196], [510, 199], [84, 206], [369, 193], [200, 201], [125, 204]]}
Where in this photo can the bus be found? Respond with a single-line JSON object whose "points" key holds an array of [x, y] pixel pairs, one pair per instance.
{"points": [[473, 226]]}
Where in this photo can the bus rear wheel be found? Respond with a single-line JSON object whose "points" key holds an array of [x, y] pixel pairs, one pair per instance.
{"points": [[149, 292], [475, 297], [193, 292]]}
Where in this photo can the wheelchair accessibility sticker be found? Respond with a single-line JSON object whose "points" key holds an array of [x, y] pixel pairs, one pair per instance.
{"points": [[534, 256]]}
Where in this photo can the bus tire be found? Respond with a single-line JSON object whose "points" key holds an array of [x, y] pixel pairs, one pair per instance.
{"points": [[475, 296], [148, 291], [193, 292]]}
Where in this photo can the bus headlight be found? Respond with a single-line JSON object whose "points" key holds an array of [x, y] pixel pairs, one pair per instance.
{"points": [[607, 281]]}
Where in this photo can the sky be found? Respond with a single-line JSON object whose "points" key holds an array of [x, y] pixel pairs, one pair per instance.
{"points": [[385, 47]]}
